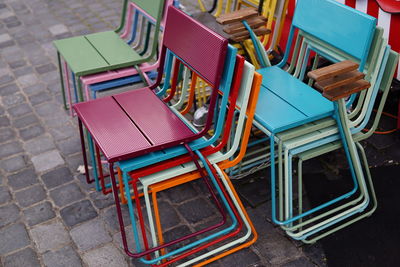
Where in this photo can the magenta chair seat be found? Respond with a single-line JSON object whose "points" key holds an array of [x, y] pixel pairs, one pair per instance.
{"points": [[131, 124]]}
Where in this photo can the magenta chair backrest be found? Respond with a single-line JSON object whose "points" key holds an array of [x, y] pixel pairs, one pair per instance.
{"points": [[198, 47]]}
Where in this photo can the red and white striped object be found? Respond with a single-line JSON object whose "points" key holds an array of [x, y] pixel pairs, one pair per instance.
{"points": [[390, 22]]}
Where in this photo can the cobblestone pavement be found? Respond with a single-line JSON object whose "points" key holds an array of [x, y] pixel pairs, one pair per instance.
{"points": [[48, 215]]}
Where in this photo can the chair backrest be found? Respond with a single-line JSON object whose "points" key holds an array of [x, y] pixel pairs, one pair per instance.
{"points": [[200, 48], [335, 24], [153, 8]]}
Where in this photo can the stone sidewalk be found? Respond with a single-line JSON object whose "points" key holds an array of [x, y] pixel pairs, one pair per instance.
{"points": [[49, 216]]}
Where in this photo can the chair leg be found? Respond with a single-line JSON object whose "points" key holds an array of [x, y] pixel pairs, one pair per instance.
{"points": [[88, 180], [61, 80]]}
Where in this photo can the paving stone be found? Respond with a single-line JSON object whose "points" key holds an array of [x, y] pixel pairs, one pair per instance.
{"points": [[17, 64], [244, 257], [64, 257], [13, 237], [169, 215], [277, 250], [78, 212], [22, 179], [4, 121], [5, 37], [101, 201], [117, 239], [48, 109], [70, 146], [34, 89], [316, 254], [30, 195], [31, 132], [57, 177], [45, 68], [172, 234], [300, 262], [47, 161], [27, 80], [74, 162], [110, 217], [196, 210], [39, 145], [8, 214], [9, 89], [63, 133], [10, 19], [50, 236], [19, 110], [4, 195], [25, 39], [5, 78], [40, 98], [39, 213], [58, 120], [81, 178], [6, 134], [90, 235], [14, 164], [180, 193], [26, 257], [23, 71], [12, 100], [66, 194], [107, 256], [25, 121], [58, 29]]}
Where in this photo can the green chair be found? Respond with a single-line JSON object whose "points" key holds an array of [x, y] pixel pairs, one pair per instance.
{"points": [[104, 51]]}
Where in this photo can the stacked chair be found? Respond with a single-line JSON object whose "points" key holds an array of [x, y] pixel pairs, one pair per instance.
{"points": [[300, 122], [266, 10], [123, 129], [100, 57], [148, 144]]}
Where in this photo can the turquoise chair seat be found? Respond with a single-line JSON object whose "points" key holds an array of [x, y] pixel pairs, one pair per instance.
{"points": [[286, 102]]}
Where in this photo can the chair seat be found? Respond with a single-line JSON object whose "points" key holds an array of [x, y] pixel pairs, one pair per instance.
{"points": [[132, 124], [285, 102], [97, 52]]}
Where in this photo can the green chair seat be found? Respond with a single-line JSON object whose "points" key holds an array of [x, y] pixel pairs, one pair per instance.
{"points": [[97, 52]]}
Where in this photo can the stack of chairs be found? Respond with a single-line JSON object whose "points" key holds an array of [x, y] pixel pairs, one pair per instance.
{"points": [[104, 56], [308, 121], [148, 142], [148, 145]]}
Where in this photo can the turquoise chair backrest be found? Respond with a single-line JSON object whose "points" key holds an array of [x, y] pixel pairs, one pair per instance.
{"points": [[335, 24]]}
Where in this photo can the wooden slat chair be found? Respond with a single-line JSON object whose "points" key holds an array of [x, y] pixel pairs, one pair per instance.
{"points": [[388, 71], [104, 51], [297, 103], [241, 40], [321, 137], [307, 133]]}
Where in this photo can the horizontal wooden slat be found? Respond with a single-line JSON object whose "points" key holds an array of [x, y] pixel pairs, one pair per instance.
{"points": [[339, 80], [245, 34], [238, 15], [254, 22], [332, 70], [346, 90]]}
